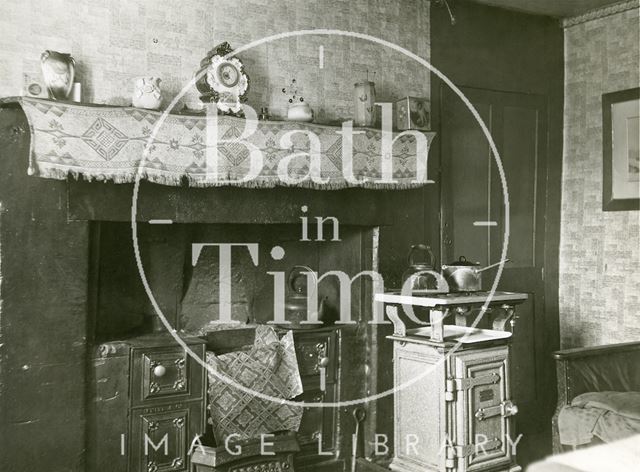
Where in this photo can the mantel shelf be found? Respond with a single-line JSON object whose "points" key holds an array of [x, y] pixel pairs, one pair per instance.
{"points": [[122, 144]]}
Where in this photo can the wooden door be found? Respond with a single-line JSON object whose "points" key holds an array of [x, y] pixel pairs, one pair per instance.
{"points": [[473, 224]]}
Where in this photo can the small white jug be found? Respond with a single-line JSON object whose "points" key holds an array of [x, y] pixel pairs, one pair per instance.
{"points": [[147, 94]]}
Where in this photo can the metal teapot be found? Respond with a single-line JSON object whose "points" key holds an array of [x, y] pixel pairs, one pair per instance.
{"points": [[421, 272], [295, 305]]}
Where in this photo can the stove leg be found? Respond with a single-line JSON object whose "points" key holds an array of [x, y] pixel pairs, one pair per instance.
{"points": [[436, 317], [399, 328]]}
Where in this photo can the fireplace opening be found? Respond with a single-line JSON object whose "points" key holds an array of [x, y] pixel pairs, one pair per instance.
{"points": [[189, 295]]}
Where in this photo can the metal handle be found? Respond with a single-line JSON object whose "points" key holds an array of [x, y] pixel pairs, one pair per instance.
{"points": [[359, 414], [509, 409], [492, 265], [504, 409], [300, 271], [159, 370], [420, 247]]}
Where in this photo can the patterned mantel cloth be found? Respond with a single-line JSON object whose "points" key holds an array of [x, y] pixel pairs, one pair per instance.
{"points": [[108, 143]]}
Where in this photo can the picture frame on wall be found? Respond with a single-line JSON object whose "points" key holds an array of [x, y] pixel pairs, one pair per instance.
{"points": [[621, 150]]}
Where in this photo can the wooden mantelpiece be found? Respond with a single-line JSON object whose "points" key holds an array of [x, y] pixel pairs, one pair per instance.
{"points": [[280, 205]]}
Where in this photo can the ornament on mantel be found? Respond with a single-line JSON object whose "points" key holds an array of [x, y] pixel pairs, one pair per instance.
{"points": [[365, 102], [146, 93], [298, 110], [58, 71], [222, 80]]}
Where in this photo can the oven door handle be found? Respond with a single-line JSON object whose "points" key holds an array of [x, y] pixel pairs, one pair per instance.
{"points": [[505, 409]]}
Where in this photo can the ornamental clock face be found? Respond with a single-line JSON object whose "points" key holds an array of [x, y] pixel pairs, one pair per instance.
{"points": [[228, 74]]}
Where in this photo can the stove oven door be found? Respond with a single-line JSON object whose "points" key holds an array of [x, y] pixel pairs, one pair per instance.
{"points": [[480, 385]]}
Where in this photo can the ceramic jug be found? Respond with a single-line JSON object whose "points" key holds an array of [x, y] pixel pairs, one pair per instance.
{"points": [[364, 104], [58, 71], [147, 94]]}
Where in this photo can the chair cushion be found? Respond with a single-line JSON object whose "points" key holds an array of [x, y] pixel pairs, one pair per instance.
{"points": [[269, 368], [607, 415], [623, 403]]}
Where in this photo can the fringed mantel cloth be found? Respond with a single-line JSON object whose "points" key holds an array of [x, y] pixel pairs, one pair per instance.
{"points": [[108, 143]]}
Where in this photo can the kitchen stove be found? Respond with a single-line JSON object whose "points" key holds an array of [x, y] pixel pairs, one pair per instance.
{"points": [[453, 410]]}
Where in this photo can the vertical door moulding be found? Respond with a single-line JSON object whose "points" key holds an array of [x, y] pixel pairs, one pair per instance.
{"points": [[1, 336]]}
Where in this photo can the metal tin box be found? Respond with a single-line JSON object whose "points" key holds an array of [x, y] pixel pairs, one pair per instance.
{"points": [[413, 113]]}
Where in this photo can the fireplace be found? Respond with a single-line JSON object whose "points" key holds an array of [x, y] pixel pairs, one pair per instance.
{"points": [[62, 299], [189, 296]]}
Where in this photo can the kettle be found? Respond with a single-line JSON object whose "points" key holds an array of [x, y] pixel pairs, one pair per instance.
{"points": [[295, 305], [420, 279]]}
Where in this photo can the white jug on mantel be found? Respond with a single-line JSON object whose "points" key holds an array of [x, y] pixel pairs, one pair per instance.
{"points": [[146, 93]]}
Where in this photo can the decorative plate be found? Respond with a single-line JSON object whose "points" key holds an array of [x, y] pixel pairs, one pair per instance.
{"points": [[223, 80]]}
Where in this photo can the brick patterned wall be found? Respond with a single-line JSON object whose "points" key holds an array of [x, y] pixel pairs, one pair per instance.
{"points": [[115, 41], [599, 251]]}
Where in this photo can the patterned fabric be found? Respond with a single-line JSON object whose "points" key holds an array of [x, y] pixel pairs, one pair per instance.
{"points": [[108, 143], [270, 368]]}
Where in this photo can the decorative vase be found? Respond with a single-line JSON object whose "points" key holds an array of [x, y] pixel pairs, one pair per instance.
{"points": [[58, 71], [147, 94], [365, 99], [300, 112]]}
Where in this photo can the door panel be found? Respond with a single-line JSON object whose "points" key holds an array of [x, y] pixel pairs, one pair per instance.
{"points": [[470, 164], [517, 123], [519, 159]]}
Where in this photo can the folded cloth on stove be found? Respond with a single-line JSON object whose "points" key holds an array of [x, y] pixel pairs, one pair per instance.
{"points": [[270, 367], [609, 416]]}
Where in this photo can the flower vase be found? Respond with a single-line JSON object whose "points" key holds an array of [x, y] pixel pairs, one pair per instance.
{"points": [[364, 99], [58, 71]]}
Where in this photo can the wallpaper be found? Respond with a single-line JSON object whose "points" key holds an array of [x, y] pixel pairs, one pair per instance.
{"points": [[115, 41], [599, 251]]}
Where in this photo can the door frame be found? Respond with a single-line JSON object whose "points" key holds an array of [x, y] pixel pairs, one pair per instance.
{"points": [[547, 227]]}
